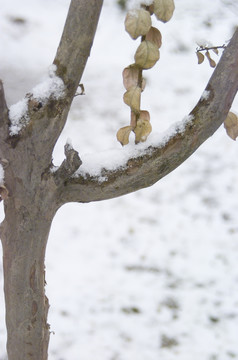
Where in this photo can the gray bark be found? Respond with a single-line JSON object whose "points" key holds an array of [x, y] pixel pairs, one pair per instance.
{"points": [[35, 193]]}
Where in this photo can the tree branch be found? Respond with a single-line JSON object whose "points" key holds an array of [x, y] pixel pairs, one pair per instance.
{"points": [[76, 42], [68, 166], [156, 162], [47, 121], [71, 58]]}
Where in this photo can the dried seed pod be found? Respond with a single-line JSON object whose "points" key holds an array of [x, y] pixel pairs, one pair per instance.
{"points": [[133, 120], [211, 61], [144, 115], [123, 135], [132, 98], [130, 77], [142, 130], [154, 36], [231, 125], [147, 54], [200, 57], [137, 23], [164, 9], [215, 50]]}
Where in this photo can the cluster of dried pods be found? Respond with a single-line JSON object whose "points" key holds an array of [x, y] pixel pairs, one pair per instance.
{"points": [[206, 49], [231, 121], [138, 24]]}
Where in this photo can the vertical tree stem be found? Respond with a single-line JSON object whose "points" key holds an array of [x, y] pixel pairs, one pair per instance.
{"points": [[24, 237]]}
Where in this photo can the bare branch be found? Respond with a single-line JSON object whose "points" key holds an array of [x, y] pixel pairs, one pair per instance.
{"points": [[71, 58], [145, 170], [76, 42], [68, 166], [48, 120]]}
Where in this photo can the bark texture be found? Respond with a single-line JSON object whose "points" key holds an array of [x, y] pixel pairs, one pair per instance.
{"points": [[35, 192], [33, 195]]}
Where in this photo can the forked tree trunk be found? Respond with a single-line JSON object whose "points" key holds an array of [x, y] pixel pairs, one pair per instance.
{"points": [[36, 192]]}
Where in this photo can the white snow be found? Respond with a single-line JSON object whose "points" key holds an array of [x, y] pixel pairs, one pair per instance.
{"points": [[69, 142], [205, 95], [123, 274], [52, 86], [203, 43], [113, 159], [18, 116], [1, 175]]}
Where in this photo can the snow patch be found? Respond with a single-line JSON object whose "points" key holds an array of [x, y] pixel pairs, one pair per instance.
{"points": [[52, 86], [180, 126], [69, 143], [203, 43], [114, 159], [205, 95], [18, 116], [110, 160]]}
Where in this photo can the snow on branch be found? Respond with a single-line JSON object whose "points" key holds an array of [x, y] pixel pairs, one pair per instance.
{"points": [[52, 87], [96, 165], [145, 164]]}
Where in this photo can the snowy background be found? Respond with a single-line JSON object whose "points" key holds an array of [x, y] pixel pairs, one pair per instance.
{"points": [[151, 275]]}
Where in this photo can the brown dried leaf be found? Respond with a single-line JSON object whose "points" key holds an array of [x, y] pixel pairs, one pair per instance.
{"points": [[147, 54], [137, 23], [154, 36], [231, 125], [130, 77], [132, 98], [3, 192], [123, 135], [215, 50], [142, 130], [200, 57], [144, 115], [164, 9], [211, 61]]}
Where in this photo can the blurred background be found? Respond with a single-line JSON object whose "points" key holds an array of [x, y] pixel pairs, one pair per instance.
{"points": [[151, 275]]}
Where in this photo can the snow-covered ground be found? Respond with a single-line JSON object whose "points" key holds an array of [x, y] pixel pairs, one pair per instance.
{"points": [[151, 275]]}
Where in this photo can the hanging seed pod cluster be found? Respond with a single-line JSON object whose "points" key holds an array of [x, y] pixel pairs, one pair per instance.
{"points": [[138, 24]]}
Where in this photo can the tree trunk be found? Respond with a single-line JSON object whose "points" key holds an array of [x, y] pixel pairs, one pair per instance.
{"points": [[29, 210], [33, 192], [36, 190], [24, 238]]}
